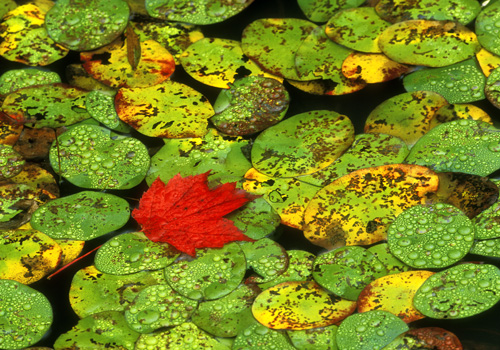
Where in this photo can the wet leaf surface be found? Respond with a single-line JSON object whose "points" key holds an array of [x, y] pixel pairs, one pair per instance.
{"points": [[266, 258], [16, 79], [322, 10]]}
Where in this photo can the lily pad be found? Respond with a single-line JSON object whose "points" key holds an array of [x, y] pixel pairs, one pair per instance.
{"points": [[25, 315], [486, 27], [10, 130], [7, 6], [101, 106], [322, 10], [71, 249], [459, 111], [431, 236], [356, 209], [273, 42], [68, 23], [492, 89], [461, 82], [133, 252], [291, 148], [328, 86], [82, 216], [357, 28], [213, 274], [34, 144], [369, 330], [299, 305], [77, 76], [11, 162], [258, 337], [321, 338], [428, 43], [170, 109], [394, 293], [372, 67], [391, 263], [229, 315], [347, 270], [406, 115], [265, 257], [16, 79], [198, 12], [487, 61], [459, 291], [487, 247], [250, 105], [466, 146], [50, 105], [486, 223], [90, 156]]}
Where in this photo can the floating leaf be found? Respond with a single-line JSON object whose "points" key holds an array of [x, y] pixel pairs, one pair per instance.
{"points": [[212, 275], [101, 106], [322, 338], [356, 28], [90, 156], [491, 89], [487, 61], [291, 148], [487, 222], [16, 79], [71, 248], [110, 64], [428, 43], [466, 146], [358, 208], [170, 109], [476, 286], [273, 42], [82, 216], [78, 77], [461, 82], [394, 293], [486, 27], [258, 337], [104, 330], [347, 270], [23, 37], [25, 316], [327, 86], [27, 255], [266, 258], [436, 337], [6, 6], [391, 263], [299, 305], [250, 105], [11, 162], [372, 67], [198, 12], [462, 11], [487, 247], [92, 291], [39, 179], [450, 112], [322, 10], [10, 130], [229, 315], [133, 48], [369, 330], [406, 115], [34, 144], [49, 105]]}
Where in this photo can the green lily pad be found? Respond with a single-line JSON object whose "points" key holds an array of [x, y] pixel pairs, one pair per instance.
{"points": [[273, 42], [133, 252], [466, 146], [90, 156], [6, 6], [487, 247], [67, 22], [299, 305], [49, 105], [11, 162], [182, 337], [431, 236], [459, 291], [93, 291], [27, 256], [156, 307], [23, 37], [197, 12], [105, 330], [459, 111], [347, 270], [357, 28], [101, 106], [406, 115], [322, 338], [367, 150], [229, 315], [487, 222], [391, 263], [169, 109], [250, 105], [428, 43], [265, 257], [462, 11], [461, 82], [356, 209], [82, 216], [25, 315], [291, 148], [487, 29], [492, 89], [258, 337], [220, 155], [218, 62], [300, 265], [16, 79], [322, 10], [213, 274], [369, 330]]}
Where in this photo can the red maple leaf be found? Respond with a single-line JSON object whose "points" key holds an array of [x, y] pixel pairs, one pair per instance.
{"points": [[188, 215]]}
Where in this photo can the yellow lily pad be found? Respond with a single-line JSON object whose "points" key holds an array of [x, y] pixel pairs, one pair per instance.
{"points": [[372, 67]]}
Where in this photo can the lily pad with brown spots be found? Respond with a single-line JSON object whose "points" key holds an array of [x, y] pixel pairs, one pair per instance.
{"points": [[356, 209], [312, 339], [300, 265], [170, 110], [322, 10], [459, 111], [11, 162], [265, 257], [16, 79], [487, 61], [372, 67]]}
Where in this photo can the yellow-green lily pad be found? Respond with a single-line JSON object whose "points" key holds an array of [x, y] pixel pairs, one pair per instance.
{"points": [[486, 27], [321, 338], [16, 79], [322, 10]]}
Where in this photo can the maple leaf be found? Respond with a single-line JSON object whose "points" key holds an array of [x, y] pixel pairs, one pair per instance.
{"points": [[187, 214]]}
